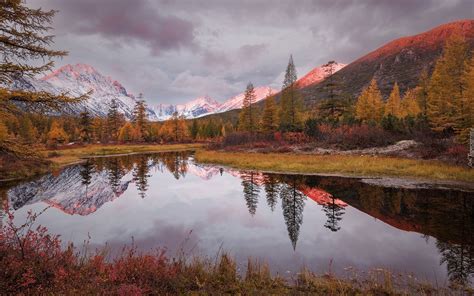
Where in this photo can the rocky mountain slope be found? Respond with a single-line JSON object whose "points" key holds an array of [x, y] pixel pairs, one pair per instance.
{"points": [[400, 60]]}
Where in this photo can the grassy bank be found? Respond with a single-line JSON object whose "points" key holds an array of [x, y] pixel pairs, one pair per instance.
{"points": [[12, 168], [66, 156], [351, 165]]}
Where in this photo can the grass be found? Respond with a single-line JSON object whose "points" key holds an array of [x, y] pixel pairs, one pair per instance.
{"points": [[68, 156], [34, 263], [351, 165]]}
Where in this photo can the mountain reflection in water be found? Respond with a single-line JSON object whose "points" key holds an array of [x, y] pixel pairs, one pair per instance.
{"points": [[443, 214]]}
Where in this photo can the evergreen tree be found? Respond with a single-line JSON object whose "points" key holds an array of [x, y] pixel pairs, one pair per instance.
{"points": [[140, 118], [247, 116], [292, 203], [269, 118], [85, 122], [115, 120], [251, 191], [271, 190], [393, 104], [446, 85], [334, 214], [194, 129], [141, 175], [290, 105], [369, 106]]}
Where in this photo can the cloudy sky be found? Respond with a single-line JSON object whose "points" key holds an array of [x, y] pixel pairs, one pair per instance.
{"points": [[176, 50]]}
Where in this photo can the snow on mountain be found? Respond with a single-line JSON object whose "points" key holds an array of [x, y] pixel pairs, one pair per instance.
{"points": [[196, 108], [79, 79], [237, 101], [68, 192], [205, 105], [319, 73]]}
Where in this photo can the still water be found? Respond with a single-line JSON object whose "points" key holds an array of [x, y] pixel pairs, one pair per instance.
{"points": [[169, 200]]}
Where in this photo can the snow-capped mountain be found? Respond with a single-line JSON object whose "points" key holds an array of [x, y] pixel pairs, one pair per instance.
{"points": [[79, 79], [205, 105], [196, 108], [236, 102], [319, 73]]}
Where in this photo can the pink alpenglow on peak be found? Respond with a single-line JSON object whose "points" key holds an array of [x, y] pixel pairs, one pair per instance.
{"points": [[318, 74]]}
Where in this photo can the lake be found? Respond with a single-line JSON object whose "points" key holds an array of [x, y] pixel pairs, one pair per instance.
{"points": [[324, 223]]}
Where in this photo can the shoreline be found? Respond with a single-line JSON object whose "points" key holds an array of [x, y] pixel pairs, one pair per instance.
{"points": [[265, 163], [77, 155]]}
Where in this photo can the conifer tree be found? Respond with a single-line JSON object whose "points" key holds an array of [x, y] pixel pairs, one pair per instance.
{"points": [[290, 117], [393, 104], [85, 122], [422, 92], [140, 118], [247, 116], [194, 129], [269, 118], [464, 106], [126, 133], [26, 130], [410, 106], [25, 49], [446, 85], [369, 106], [115, 120], [56, 135]]}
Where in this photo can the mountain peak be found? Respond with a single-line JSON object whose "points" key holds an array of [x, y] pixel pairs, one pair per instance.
{"points": [[72, 71], [320, 73]]}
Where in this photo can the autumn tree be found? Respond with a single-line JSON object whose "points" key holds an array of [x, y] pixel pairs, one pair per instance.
{"points": [[409, 105], [290, 105], [194, 129], [3, 131], [369, 106], [115, 120], [446, 87], [140, 119], [464, 107], [25, 47], [56, 135], [393, 104], [247, 116], [127, 133], [26, 130], [85, 123], [422, 92], [269, 117]]}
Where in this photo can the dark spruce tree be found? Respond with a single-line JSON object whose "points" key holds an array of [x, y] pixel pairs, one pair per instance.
{"points": [[292, 203], [114, 121], [141, 175], [334, 214], [290, 105], [251, 191], [271, 190], [85, 123], [140, 119]]}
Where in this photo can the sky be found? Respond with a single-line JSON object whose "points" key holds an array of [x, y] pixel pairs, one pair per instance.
{"points": [[175, 50]]}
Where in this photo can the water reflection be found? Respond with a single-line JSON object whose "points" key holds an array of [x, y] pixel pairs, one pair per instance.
{"points": [[445, 215]]}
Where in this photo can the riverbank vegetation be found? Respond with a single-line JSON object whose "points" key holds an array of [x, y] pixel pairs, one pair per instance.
{"points": [[33, 262], [351, 165]]}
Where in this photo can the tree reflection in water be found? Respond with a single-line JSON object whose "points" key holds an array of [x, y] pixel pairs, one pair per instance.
{"points": [[446, 215]]}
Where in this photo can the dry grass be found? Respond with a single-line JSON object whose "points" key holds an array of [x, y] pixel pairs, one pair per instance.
{"points": [[368, 166], [68, 156]]}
